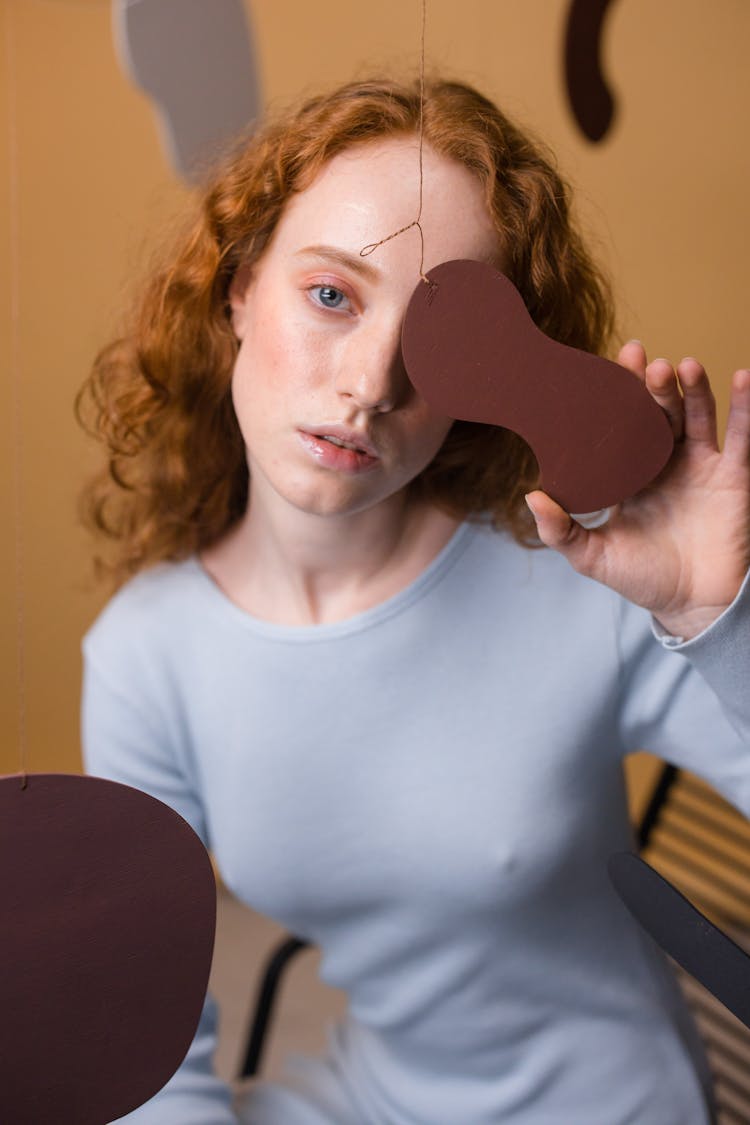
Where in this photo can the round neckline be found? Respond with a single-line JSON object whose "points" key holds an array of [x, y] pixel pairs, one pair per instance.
{"points": [[396, 603]]}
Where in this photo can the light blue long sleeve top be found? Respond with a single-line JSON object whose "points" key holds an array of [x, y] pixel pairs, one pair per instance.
{"points": [[429, 791]]}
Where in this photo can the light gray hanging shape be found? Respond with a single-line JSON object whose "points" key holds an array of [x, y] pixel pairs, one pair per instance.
{"points": [[196, 61]]}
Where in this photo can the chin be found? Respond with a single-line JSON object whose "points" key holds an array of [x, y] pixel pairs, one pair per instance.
{"points": [[331, 501], [329, 506], [326, 494]]}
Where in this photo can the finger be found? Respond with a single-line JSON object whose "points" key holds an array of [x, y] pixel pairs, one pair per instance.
{"points": [[560, 531], [661, 381], [737, 439], [633, 356], [699, 404]]}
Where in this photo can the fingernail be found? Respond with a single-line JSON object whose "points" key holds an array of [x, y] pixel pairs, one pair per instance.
{"points": [[591, 520]]}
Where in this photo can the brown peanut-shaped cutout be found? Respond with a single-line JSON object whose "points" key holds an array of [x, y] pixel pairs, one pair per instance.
{"points": [[473, 352]]}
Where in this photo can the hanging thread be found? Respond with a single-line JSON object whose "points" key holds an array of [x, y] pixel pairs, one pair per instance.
{"points": [[15, 353], [416, 223]]}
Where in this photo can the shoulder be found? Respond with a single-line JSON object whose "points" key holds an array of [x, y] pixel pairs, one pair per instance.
{"points": [[538, 589], [158, 602], [499, 556]]}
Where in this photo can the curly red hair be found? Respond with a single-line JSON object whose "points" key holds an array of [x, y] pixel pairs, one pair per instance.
{"points": [[159, 395]]}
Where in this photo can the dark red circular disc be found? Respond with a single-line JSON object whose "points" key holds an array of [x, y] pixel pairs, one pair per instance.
{"points": [[108, 921]]}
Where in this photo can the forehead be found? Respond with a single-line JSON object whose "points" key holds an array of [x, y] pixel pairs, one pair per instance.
{"points": [[371, 190]]}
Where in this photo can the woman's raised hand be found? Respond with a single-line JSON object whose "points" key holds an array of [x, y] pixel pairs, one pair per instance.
{"points": [[681, 547]]}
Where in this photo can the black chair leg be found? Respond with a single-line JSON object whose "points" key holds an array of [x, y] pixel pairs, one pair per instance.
{"points": [[667, 778], [275, 966]]}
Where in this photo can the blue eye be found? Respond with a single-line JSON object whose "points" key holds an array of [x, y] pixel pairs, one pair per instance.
{"points": [[328, 296]]}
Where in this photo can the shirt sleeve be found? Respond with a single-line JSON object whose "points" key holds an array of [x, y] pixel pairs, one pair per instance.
{"points": [[125, 740], [689, 701], [721, 654]]}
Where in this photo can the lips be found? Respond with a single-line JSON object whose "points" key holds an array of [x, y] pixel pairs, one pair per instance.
{"points": [[346, 438], [344, 451]]}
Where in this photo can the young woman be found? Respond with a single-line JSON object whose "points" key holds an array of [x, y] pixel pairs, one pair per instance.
{"points": [[398, 726]]}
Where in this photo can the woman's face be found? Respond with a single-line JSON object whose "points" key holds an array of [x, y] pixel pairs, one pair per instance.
{"points": [[331, 423]]}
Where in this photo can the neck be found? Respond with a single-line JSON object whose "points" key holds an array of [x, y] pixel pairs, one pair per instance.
{"points": [[294, 567]]}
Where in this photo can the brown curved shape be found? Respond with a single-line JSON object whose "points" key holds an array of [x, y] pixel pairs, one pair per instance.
{"points": [[472, 350], [590, 99], [109, 913]]}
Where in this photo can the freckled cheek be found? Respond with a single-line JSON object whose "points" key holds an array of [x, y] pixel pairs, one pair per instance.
{"points": [[260, 366], [244, 390], [280, 375], [430, 431], [419, 442], [297, 357]]}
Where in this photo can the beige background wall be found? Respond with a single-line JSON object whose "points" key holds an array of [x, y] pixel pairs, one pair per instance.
{"points": [[665, 197]]}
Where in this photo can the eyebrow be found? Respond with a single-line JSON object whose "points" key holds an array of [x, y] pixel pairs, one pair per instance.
{"points": [[334, 253]]}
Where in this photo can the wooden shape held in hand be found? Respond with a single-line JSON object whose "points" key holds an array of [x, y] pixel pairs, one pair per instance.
{"points": [[109, 914], [473, 352]]}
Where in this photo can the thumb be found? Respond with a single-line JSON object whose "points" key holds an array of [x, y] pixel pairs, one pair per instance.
{"points": [[555, 527]]}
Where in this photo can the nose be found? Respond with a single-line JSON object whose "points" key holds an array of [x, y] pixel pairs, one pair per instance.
{"points": [[372, 373]]}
